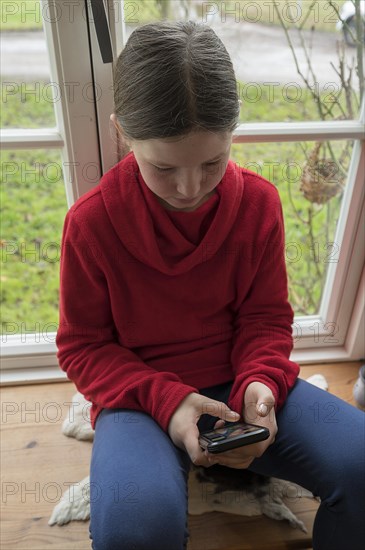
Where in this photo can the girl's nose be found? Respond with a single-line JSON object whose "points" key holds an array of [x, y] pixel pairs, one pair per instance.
{"points": [[189, 183]]}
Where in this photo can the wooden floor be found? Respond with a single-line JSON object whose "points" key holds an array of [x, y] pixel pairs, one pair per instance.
{"points": [[38, 464]]}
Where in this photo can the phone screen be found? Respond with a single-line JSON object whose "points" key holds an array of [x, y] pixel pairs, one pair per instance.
{"points": [[231, 436], [230, 431]]}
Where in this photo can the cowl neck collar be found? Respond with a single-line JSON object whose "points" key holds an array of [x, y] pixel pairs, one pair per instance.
{"points": [[142, 223]]}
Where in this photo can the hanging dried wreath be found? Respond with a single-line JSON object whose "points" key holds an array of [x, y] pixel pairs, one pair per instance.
{"points": [[321, 178]]}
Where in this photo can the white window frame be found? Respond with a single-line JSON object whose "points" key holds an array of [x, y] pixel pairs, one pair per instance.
{"points": [[84, 145], [26, 359]]}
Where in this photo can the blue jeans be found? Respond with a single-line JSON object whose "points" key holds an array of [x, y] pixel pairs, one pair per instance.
{"points": [[138, 477]]}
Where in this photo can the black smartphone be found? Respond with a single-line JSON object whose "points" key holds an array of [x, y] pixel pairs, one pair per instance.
{"points": [[232, 435]]}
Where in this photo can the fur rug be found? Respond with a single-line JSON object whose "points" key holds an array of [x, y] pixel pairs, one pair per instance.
{"points": [[217, 488]]}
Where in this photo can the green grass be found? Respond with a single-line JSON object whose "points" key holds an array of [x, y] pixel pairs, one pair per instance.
{"points": [[34, 205], [306, 15], [27, 105], [308, 250], [27, 14], [268, 103], [21, 15]]}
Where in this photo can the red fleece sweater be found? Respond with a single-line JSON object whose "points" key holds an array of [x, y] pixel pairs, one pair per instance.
{"points": [[155, 304]]}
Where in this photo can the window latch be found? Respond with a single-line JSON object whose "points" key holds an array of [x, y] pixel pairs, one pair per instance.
{"points": [[102, 30]]}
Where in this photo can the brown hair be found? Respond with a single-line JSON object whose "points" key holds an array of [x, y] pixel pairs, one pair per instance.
{"points": [[173, 78]]}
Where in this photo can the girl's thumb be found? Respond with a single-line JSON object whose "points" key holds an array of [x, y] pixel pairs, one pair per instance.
{"points": [[263, 409]]}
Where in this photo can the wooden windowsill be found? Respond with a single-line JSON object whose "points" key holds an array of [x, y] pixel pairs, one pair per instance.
{"points": [[39, 464]]}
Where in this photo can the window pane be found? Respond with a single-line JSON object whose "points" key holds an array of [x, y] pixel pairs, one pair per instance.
{"points": [[310, 73], [311, 180], [33, 209], [27, 93], [291, 62]]}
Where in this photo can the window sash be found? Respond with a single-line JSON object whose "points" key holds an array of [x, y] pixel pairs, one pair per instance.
{"points": [[24, 357]]}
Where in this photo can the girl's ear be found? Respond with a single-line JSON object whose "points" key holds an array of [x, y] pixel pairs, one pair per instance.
{"points": [[119, 129]]}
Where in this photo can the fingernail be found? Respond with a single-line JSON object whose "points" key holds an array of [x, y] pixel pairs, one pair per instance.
{"points": [[233, 414], [263, 409]]}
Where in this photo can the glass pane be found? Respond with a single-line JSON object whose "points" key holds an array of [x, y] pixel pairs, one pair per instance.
{"points": [[292, 62], [27, 93], [33, 209], [311, 180]]}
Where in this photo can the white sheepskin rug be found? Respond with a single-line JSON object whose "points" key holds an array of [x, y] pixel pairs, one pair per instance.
{"points": [[214, 489]]}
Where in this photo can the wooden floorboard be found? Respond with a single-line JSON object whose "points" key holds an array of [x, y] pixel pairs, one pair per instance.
{"points": [[38, 464]]}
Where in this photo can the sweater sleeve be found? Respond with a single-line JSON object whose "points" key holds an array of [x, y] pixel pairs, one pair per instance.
{"points": [[262, 339], [106, 373]]}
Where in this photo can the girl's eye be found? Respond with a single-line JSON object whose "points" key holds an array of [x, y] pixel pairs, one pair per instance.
{"points": [[212, 164], [208, 165], [163, 169]]}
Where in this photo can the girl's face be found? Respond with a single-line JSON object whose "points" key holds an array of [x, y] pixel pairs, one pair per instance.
{"points": [[183, 173]]}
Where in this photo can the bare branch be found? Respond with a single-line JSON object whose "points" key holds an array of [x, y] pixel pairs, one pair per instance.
{"points": [[302, 220], [343, 21]]}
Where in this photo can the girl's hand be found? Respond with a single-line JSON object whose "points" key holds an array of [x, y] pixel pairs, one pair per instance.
{"points": [[183, 428], [258, 409]]}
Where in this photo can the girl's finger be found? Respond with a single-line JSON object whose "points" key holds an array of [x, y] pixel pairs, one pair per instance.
{"points": [[192, 447], [217, 408], [219, 424]]}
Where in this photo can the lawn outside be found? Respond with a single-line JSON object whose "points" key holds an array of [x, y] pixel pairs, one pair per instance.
{"points": [[34, 201], [20, 15]]}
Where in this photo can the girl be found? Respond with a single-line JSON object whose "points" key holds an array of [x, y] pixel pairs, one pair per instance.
{"points": [[174, 312]]}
